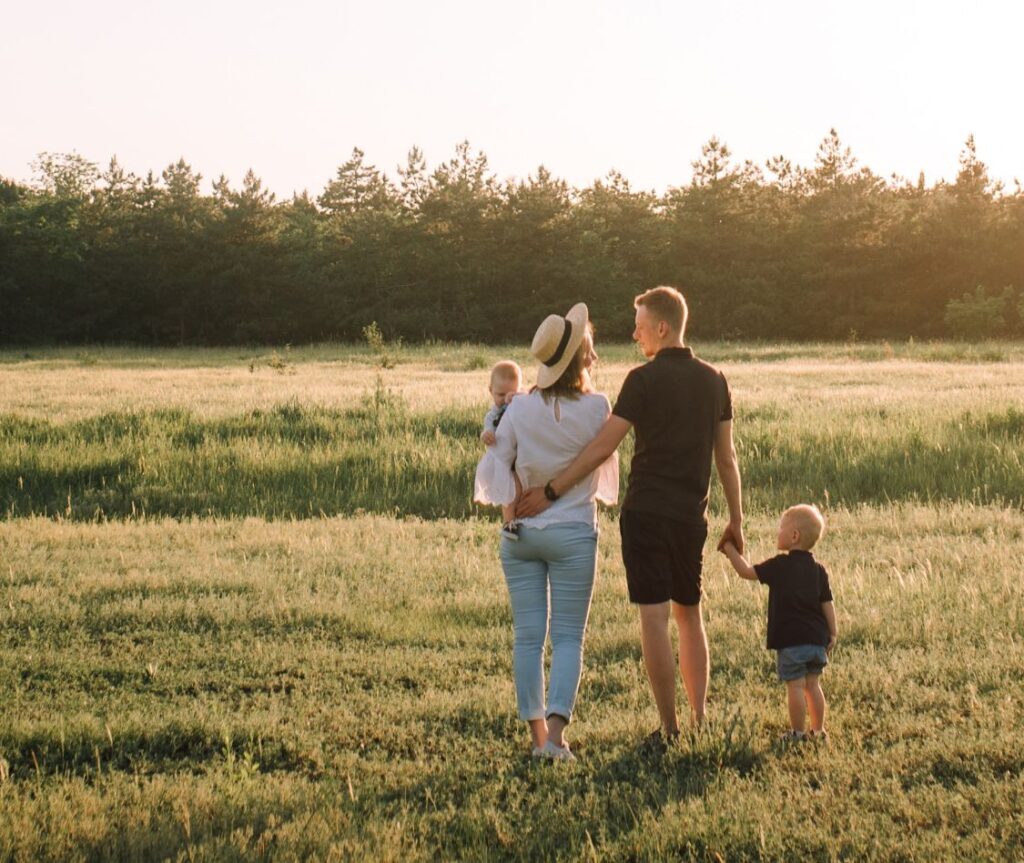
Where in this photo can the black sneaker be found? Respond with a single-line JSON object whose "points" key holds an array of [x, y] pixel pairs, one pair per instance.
{"points": [[510, 530]]}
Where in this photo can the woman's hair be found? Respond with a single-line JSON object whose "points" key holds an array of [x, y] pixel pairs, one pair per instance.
{"points": [[575, 380]]}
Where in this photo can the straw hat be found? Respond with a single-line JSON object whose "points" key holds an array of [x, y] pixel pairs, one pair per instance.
{"points": [[556, 341]]}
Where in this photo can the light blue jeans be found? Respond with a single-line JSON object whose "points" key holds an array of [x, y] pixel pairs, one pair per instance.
{"points": [[557, 562]]}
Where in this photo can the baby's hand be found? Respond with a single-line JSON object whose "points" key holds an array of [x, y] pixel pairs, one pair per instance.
{"points": [[725, 545], [488, 438]]}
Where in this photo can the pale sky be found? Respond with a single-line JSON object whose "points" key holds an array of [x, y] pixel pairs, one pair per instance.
{"points": [[581, 86]]}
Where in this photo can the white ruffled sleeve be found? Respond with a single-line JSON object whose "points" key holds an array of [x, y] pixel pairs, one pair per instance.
{"points": [[494, 483], [608, 480]]}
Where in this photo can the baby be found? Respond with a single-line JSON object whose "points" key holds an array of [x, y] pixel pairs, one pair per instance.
{"points": [[801, 618], [506, 382]]}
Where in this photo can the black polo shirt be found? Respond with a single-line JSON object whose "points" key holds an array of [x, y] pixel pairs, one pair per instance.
{"points": [[797, 586], [675, 403]]}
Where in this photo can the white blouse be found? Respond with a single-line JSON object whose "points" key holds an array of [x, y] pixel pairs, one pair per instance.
{"points": [[542, 439]]}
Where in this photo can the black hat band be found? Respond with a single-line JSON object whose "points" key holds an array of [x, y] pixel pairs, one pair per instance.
{"points": [[556, 357]]}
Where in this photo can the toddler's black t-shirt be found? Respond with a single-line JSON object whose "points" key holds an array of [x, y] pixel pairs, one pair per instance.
{"points": [[797, 586]]}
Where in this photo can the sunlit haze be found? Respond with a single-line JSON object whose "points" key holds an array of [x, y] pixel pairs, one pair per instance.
{"points": [[581, 87]]}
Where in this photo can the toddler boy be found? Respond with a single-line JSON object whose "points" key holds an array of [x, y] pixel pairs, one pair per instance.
{"points": [[506, 382], [801, 617]]}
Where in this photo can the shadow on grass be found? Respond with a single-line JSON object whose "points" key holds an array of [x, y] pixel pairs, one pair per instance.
{"points": [[472, 616], [103, 597], [965, 768], [487, 791], [175, 747]]}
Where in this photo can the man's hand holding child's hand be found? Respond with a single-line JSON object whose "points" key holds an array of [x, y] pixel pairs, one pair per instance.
{"points": [[733, 533]]}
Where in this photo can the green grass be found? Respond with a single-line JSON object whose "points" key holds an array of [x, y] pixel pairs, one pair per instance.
{"points": [[342, 687], [248, 612], [300, 462], [467, 356]]}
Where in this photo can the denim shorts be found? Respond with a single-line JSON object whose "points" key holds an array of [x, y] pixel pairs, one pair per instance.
{"points": [[800, 660]]}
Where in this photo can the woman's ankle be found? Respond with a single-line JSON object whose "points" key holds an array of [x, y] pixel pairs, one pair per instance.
{"points": [[556, 728], [538, 732]]}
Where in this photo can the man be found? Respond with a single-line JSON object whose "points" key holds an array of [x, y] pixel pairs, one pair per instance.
{"points": [[681, 410]]}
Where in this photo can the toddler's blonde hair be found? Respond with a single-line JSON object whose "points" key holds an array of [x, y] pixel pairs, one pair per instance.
{"points": [[807, 519], [508, 371]]}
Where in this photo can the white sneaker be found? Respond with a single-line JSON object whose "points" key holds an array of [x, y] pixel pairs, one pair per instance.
{"points": [[557, 753]]}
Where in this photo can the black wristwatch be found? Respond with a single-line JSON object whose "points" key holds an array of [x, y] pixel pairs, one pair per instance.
{"points": [[549, 492]]}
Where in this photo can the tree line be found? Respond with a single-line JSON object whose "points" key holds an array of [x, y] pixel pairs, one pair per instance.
{"points": [[773, 251]]}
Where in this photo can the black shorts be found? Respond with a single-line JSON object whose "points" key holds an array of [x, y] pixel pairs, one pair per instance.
{"points": [[663, 558]]}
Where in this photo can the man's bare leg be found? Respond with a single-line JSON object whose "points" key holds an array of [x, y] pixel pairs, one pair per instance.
{"points": [[694, 664], [660, 663]]}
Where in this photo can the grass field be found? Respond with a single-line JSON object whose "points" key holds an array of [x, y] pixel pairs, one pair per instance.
{"points": [[121, 434], [218, 641]]}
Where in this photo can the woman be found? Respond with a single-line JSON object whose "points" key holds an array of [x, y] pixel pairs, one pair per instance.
{"points": [[556, 552]]}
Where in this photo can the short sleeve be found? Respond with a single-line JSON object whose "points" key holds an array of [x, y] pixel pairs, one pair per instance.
{"points": [[726, 400], [632, 399], [768, 570], [825, 589]]}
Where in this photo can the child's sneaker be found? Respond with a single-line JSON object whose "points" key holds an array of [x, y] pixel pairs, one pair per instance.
{"points": [[510, 530], [818, 736], [791, 738]]}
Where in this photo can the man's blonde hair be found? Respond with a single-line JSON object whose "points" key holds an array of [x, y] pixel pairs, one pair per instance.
{"points": [[807, 519], [666, 304], [507, 371]]}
